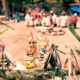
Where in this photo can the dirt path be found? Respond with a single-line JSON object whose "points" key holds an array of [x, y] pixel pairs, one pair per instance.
{"points": [[16, 41]]}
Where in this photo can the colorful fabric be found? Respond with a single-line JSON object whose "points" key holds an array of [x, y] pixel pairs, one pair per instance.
{"points": [[43, 50]]}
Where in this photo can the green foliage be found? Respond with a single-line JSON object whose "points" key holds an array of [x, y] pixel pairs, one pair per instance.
{"points": [[68, 1], [35, 1], [56, 46], [17, 2], [37, 74], [28, 1], [74, 33], [58, 0]]}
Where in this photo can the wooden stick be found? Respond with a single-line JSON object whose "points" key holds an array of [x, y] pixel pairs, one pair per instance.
{"points": [[61, 52], [74, 56], [69, 68]]}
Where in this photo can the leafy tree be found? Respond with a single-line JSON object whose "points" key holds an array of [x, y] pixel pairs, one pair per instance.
{"points": [[66, 3]]}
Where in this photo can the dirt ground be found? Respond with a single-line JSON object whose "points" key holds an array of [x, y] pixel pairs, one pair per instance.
{"points": [[16, 41]]}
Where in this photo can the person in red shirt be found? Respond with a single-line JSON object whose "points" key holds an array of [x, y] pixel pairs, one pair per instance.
{"points": [[74, 20], [37, 11]]}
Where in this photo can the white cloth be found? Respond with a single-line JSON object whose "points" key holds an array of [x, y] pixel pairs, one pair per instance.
{"points": [[55, 18], [46, 21], [64, 20], [36, 22], [28, 20]]}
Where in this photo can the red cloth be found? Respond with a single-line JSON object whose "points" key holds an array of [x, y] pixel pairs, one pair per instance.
{"points": [[37, 10], [3, 17], [74, 18]]}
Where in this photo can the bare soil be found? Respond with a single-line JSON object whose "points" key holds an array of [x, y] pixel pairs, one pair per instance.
{"points": [[16, 41]]}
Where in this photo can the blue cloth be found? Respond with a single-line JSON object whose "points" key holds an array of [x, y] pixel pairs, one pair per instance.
{"points": [[27, 54], [3, 49], [22, 17], [42, 54], [43, 50], [75, 8], [74, 23]]}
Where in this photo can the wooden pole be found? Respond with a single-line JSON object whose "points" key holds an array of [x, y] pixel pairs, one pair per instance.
{"points": [[69, 67], [77, 1], [3, 3], [4, 7]]}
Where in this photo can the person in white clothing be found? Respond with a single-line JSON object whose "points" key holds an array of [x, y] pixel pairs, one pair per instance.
{"points": [[64, 19], [28, 20], [46, 20], [54, 20]]}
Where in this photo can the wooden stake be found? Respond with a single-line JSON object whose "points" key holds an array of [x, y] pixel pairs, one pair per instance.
{"points": [[4, 6], [69, 67], [3, 3]]}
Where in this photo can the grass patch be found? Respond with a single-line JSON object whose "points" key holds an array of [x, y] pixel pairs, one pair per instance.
{"points": [[74, 33]]}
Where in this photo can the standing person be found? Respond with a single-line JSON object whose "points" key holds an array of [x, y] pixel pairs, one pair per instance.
{"points": [[64, 19], [16, 17], [54, 20], [28, 19], [37, 22], [51, 14], [46, 20], [37, 11], [74, 20]]}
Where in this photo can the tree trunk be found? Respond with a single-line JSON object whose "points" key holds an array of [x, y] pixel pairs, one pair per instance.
{"points": [[5, 7], [77, 1]]}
